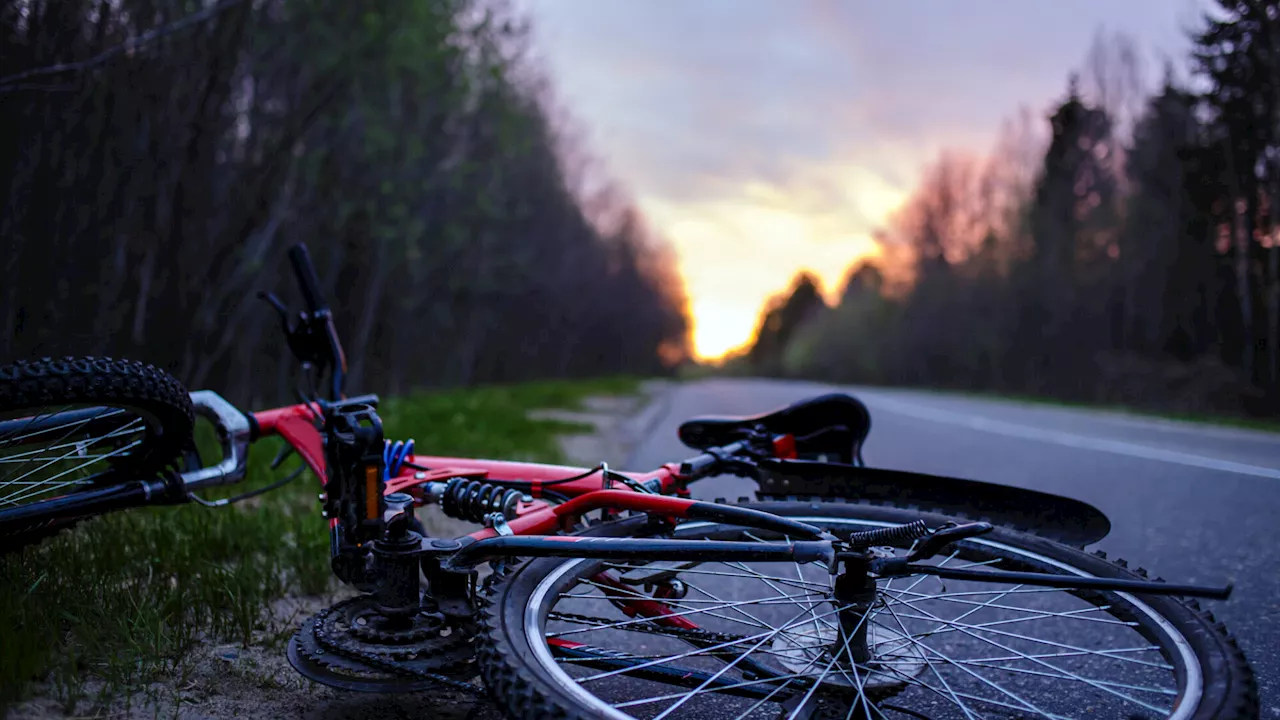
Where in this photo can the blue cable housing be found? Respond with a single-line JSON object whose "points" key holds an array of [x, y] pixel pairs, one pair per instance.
{"points": [[393, 455]]}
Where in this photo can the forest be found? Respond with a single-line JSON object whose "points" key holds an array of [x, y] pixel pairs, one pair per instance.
{"points": [[1120, 248], [158, 158]]}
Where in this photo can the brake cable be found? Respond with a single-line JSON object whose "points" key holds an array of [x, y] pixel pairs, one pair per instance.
{"points": [[279, 459]]}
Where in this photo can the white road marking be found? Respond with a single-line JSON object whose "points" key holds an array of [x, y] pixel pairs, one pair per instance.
{"points": [[1056, 437]]}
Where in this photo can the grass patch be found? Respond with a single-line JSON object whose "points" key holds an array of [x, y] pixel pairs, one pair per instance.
{"points": [[121, 600]]}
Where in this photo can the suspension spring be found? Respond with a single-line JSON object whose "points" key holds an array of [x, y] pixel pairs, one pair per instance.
{"points": [[889, 535], [467, 499]]}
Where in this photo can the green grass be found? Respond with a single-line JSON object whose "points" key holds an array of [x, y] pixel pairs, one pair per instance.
{"points": [[122, 599]]}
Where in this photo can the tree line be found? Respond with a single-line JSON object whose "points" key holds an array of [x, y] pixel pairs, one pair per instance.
{"points": [[1123, 250], [158, 157]]}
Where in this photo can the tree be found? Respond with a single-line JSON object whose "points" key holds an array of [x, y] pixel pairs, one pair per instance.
{"points": [[1062, 285], [1237, 53], [783, 315], [148, 195], [1165, 262], [1131, 258]]}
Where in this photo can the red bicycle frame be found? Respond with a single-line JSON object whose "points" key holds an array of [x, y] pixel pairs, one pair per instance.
{"points": [[532, 531], [588, 492]]}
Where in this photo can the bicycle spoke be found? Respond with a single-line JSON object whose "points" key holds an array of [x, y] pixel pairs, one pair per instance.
{"points": [[47, 485], [808, 695], [739, 610], [684, 602], [1073, 614], [717, 646], [799, 576], [804, 672], [27, 455], [922, 684], [971, 631], [15, 440], [1148, 648], [808, 653], [685, 613], [1025, 671], [819, 586], [720, 688], [33, 491], [950, 691], [857, 678], [687, 696], [986, 627], [34, 418]]}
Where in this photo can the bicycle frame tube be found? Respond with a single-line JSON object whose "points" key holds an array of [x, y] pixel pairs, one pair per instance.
{"points": [[650, 549], [297, 425]]}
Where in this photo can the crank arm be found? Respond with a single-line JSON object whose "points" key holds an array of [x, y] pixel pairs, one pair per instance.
{"points": [[898, 566]]}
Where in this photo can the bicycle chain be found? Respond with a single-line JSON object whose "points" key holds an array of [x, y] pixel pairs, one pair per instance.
{"points": [[329, 644]]}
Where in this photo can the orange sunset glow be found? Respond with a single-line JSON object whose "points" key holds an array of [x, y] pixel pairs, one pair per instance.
{"points": [[774, 237], [762, 139]]}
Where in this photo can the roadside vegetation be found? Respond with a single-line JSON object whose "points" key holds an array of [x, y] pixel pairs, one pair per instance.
{"points": [[1116, 247], [462, 230], [105, 609]]}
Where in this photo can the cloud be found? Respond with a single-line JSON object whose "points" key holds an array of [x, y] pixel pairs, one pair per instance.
{"points": [[764, 137]]}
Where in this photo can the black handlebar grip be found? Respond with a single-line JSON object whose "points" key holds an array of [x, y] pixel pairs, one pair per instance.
{"points": [[697, 465], [307, 279]]}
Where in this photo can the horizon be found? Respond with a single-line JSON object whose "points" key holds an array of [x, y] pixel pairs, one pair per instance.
{"points": [[774, 147]]}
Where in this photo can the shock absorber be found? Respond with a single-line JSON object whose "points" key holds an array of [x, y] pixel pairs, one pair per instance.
{"points": [[468, 499], [888, 536]]}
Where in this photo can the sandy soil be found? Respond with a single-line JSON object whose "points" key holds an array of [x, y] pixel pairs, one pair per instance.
{"points": [[227, 681]]}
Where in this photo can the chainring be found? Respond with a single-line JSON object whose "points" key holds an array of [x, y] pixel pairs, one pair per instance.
{"points": [[351, 646]]}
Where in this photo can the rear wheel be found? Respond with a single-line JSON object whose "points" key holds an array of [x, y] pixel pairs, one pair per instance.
{"points": [[761, 640], [75, 424]]}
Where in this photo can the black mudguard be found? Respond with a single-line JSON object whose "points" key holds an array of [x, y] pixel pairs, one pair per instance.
{"points": [[1055, 517]]}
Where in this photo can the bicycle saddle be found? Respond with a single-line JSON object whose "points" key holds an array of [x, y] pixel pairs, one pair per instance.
{"points": [[833, 424]]}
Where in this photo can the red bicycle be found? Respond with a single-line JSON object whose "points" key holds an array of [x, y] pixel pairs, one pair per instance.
{"points": [[842, 590]]}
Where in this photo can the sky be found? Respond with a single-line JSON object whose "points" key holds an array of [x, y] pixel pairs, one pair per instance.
{"points": [[762, 138]]}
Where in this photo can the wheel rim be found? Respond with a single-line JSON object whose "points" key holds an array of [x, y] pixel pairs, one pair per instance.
{"points": [[47, 452], [947, 695]]}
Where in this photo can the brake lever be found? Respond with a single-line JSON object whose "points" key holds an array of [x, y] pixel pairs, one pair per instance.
{"points": [[302, 336], [929, 545], [280, 308]]}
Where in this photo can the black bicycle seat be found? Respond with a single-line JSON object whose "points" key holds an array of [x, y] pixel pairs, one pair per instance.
{"points": [[833, 424]]}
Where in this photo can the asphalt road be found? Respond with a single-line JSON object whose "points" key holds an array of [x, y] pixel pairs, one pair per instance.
{"points": [[1188, 503]]}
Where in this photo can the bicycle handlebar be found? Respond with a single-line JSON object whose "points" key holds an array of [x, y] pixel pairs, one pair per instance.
{"points": [[308, 281], [316, 338], [707, 462], [234, 434]]}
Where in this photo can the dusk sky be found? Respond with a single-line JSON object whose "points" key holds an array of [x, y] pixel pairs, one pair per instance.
{"points": [[766, 137]]}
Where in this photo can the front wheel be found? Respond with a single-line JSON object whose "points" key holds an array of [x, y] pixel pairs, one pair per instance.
{"points": [[79, 427], [562, 638]]}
